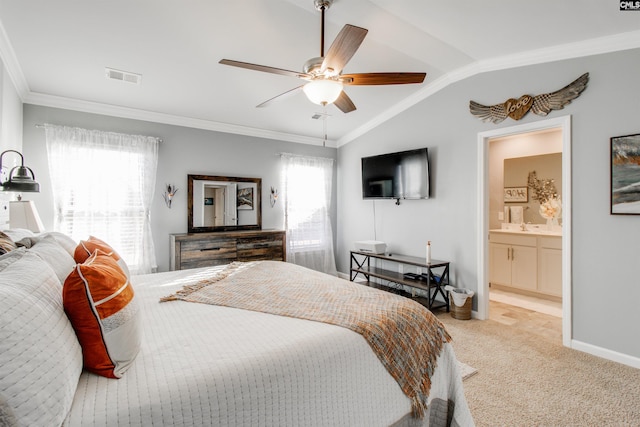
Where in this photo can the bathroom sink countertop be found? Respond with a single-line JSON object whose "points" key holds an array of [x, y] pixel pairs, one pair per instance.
{"points": [[529, 231]]}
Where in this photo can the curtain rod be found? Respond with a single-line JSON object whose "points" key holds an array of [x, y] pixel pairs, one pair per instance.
{"points": [[41, 126], [303, 156]]}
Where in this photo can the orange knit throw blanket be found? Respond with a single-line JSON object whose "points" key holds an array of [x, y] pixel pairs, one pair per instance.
{"points": [[406, 337]]}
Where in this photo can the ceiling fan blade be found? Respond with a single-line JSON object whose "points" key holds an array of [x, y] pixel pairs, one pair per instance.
{"points": [[265, 69], [382, 78], [344, 103], [343, 47], [280, 97]]}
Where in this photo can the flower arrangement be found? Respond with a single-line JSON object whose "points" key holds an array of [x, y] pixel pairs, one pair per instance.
{"points": [[543, 189], [545, 192], [551, 208]]}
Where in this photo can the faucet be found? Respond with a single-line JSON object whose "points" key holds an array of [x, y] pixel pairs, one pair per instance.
{"points": [[523, 226]]}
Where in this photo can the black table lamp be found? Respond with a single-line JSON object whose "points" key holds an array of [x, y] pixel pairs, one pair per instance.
{"points": [[18, 179]]}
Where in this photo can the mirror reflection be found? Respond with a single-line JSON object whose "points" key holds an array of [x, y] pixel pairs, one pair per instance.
{"points": [[223, 203], [516, 172]]}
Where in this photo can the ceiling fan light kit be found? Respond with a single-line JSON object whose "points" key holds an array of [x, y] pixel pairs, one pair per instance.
{"points": [[324, 73], [323, 92]]}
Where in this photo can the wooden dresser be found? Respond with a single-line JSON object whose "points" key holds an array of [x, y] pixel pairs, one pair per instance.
{"points": [[194, 250]]}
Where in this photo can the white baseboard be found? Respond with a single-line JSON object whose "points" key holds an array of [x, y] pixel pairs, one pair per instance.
{"points": [[614, 356]]}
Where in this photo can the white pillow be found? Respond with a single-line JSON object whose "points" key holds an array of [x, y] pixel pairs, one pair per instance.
{"points": [[55, 255], [63, 240], [40, 357]]}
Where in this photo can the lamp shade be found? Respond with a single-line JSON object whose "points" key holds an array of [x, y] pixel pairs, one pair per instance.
{"points": [[18, 179], [323, 91], [23, 214]]}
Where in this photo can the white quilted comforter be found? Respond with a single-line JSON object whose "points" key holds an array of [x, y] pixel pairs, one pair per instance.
{"points": [[217, 366]]}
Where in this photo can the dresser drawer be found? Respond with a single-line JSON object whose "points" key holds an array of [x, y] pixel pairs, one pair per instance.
{"points": [[195, 250], [202, 253], [264, 247]]}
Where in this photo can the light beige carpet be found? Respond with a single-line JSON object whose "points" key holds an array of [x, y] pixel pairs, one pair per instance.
{"points": [[526, 380]]}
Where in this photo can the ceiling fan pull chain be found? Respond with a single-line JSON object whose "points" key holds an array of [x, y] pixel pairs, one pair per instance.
{"points": [[324, 124]]}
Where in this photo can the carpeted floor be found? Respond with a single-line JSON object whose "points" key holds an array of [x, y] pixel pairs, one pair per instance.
{"points": [[526, 380]]}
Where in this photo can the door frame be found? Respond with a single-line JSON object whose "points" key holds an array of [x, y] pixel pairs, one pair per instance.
{"points": [[564, 124]]}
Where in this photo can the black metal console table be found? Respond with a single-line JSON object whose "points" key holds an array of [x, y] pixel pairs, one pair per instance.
{"points": [[432, 281]]}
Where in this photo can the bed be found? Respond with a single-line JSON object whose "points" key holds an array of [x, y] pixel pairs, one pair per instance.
{"points": [[197, 364]]}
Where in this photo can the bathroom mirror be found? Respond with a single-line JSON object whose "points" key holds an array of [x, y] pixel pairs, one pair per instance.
{"points": [[224, 203], [516, 174]]}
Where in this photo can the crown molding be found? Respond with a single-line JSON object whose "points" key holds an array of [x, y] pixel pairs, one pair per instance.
{"points": [[152, 116], [618, 42]]}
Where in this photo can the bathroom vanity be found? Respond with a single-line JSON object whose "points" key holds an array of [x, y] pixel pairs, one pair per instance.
{"points": [[526, 261]]}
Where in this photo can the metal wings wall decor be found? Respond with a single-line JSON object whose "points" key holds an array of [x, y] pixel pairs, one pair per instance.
{"points": [[539, 104]]}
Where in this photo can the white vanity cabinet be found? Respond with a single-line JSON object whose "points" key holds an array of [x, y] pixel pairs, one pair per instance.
{"points": [[513, 261], [526, 262], [550, 265]]}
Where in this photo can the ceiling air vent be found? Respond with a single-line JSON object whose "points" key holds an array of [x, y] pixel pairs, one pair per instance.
{"points": [[317, 116], [123, 76]]}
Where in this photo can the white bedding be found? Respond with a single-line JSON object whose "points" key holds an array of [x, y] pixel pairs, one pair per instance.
{"points": [[209, 365]]}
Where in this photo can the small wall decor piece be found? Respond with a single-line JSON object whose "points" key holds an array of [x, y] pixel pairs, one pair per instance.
{"points": [[516, 194], [208, 201], [170, 191], [273, 197], [625, 175], [539, 104], [245, 199]]}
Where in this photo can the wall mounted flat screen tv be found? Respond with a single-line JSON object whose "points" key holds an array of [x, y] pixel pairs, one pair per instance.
{"points": [[401, 175]]}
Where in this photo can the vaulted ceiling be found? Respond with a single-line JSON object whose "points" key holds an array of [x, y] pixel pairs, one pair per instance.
{"points": [[56, 53]]}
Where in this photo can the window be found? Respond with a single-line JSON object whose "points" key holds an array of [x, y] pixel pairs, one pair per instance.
{"points": [[307, 183], [102, 185]]}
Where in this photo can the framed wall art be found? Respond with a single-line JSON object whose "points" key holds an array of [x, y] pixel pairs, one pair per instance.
{"points": [[245, 198], [625, 175], [516, 195]]}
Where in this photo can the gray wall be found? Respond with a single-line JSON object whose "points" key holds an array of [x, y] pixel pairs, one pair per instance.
{"points": [[10, 132], [10, 113], [183, 151], [606, 248]]}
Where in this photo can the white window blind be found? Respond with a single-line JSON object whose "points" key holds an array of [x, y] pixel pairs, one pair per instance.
{"points": [[102, 185]]}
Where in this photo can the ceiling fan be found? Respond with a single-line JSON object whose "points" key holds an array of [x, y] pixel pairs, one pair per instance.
{"points": [[323, 74]]}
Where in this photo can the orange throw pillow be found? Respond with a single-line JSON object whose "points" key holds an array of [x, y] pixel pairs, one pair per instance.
{"points": [[99, 301], [86, 247]]}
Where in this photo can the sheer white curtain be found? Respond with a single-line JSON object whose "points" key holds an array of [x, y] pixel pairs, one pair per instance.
{"points": [[307, 183], [103, 184]]}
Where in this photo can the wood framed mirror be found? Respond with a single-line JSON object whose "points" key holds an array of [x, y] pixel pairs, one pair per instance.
{"points": [[224, 203]]}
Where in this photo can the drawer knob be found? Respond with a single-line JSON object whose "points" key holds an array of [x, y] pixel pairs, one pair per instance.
{"points": [[209, 249]]}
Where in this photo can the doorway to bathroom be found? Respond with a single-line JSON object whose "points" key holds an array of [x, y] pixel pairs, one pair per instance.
{"points": [[525, 252], [524, 258]]}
